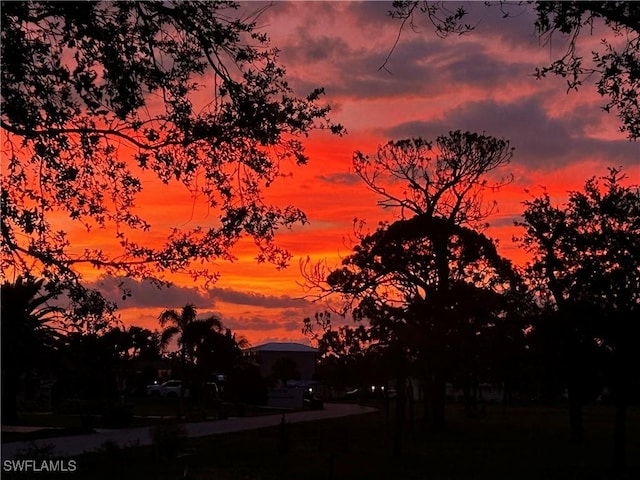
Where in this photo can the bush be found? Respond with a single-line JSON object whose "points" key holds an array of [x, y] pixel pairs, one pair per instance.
{"points": [[37, 451], [117, 417], [167, 439], [72, 406]]}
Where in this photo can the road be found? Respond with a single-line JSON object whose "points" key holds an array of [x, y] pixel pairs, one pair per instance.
{"points": [[74, 445]]}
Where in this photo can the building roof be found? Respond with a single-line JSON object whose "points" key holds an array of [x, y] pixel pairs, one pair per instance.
{"points": [[283, 347]]}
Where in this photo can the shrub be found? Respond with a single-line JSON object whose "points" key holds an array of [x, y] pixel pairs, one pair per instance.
{"points": [[167, 439], [117, 417]]}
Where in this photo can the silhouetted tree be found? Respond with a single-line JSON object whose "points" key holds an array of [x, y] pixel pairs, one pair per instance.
{"points": [[132, 348], [212, 348], [93, 366], [587, 259], [176, 324], [29, 329], [614, 66], [206, 345], [118, 340], [145, 344], [96, 95], [197, 336], [345, 353], [222, 350], [410, 278]]}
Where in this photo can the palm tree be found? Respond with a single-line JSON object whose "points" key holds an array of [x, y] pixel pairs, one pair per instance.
{"points": [[198, 336], [145, 343], [205, 344], [175, 324], [28, 332], [213, 346], [212, 349]]}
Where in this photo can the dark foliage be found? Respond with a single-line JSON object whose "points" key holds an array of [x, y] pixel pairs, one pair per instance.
{"points": [[29, 330], [587, 263], [429, 285], [97, 96]]}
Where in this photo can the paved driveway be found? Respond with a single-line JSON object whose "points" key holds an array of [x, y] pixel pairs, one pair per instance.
{"points": [[75, 445]]}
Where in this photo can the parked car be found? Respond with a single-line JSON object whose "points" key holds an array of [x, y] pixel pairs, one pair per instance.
{"points": [[352, 394], [212, 390], [172, 388], [312, 401]]}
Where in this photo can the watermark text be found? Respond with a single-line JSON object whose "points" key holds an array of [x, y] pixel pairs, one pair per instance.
{"points": [[44, 466]]}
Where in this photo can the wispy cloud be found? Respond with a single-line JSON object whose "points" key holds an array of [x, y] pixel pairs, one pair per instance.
{"points": [[255, 299], [146, 294], [341, 178], [542, 140]]}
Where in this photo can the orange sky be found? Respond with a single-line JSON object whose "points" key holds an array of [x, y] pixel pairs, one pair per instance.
{"points": [[480, 82]]}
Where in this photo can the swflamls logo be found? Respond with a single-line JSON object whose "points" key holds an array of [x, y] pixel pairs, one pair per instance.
{"points": [[31, 465]]}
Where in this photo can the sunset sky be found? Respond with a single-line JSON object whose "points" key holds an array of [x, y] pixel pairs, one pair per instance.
{"points": [[481, 82]]}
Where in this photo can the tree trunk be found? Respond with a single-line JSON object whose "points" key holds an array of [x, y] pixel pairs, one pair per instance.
{"points": [[387, 406], [438, 395], [621, 377], [575, 414], [470, 401], [400, 415], [183, 362], [443, 316], [434, 402], [426, 403], [410, 398], [10, 387], [507, 396], [619, 434]]}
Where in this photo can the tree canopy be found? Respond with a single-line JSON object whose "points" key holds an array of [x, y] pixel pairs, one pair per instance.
{"points": [[30, 329], [586, 260], [98, 98], [587, 250], [431, 280], [444, 178]]}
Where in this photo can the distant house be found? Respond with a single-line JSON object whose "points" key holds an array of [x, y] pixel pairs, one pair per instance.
{"points": [[289, 368], [268, 355]]}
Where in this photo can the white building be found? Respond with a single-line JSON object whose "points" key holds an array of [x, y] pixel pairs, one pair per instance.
{"points": [[299, 356], [268, 354]]}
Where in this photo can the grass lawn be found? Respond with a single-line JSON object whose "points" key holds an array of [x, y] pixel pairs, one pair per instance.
{"points": [[521, 443], [145, 411]]}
